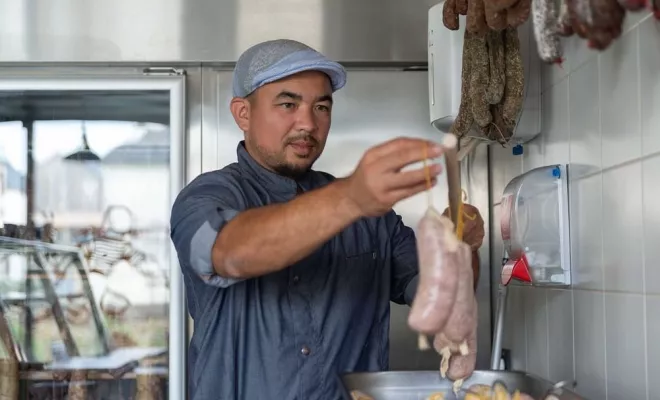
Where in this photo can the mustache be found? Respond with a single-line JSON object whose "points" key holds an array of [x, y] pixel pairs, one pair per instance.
{"points": [[305, 137]]}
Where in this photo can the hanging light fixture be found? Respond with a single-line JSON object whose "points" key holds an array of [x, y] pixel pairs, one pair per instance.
{"points": [[85, 154]]}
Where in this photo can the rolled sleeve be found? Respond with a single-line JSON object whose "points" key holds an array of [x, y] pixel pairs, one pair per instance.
{"points": [[404, 258], [199, 213]]}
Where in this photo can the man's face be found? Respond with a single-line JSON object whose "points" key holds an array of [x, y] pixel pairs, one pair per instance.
{"points": [[286, 122]]}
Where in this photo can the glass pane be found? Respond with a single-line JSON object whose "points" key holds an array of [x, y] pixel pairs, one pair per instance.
{"points": [[84, 241]]}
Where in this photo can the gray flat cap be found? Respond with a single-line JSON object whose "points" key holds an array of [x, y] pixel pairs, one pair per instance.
{"points": [[273, 60]]}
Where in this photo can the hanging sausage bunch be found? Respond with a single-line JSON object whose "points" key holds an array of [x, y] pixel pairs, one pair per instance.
{"points": [[492, 77], [598, 21]]}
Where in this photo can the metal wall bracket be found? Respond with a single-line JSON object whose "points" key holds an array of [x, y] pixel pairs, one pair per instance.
{"points": [[170, 71]]}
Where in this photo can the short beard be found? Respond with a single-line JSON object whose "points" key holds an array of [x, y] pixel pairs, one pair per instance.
{"points": [[281, 167], [291, 171]]}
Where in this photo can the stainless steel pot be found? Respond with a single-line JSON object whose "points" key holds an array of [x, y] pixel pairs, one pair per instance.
{"points": [[419, 385]]}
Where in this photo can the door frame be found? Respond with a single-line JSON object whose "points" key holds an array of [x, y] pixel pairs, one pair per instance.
{"points": [[176, 86]]}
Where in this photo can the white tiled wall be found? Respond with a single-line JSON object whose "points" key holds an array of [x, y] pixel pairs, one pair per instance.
{"points": [[601, 114]]}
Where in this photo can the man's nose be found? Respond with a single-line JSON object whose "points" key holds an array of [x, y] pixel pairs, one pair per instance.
{"points": [[306, 119]]}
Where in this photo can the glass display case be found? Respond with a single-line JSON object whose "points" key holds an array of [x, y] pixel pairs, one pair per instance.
{"points": [[50, 317]]}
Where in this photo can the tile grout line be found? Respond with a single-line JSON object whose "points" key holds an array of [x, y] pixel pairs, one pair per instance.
{"points": [[523, 293], [569, 228], [606, 169], [644, 300], [573, 334], [547, 332], [602, 257]]}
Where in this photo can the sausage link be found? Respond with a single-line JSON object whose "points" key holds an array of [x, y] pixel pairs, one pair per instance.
{"points": [[462, 7], [449, 15], [499, 131], [438, 274], [464, 119], [577, 23], [519, 13], [460, 322], [600, 39], [583, 11], [500, 5], [633, 5], [544, 15], [461, 366], [476, 17], [496, 62], [495, 19], [564, 26], [479, 81], [607, 23], [514, 77], [607, 15]]}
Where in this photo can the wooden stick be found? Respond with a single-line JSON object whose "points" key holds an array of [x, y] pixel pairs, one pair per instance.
{"points": [[453, 176], [467, 147]]}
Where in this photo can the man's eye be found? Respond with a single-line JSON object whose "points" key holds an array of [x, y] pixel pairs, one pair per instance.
{"points": [[323, 108], [287, 105]]}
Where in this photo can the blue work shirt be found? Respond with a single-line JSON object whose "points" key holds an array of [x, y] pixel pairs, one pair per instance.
{"points": [[286, 335]]}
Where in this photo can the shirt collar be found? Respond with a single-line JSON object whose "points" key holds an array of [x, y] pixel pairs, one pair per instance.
{"points": [[271, 181]]}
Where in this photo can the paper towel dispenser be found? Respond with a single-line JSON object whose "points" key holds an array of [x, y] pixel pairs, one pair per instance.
{"points": [[445, 63]]}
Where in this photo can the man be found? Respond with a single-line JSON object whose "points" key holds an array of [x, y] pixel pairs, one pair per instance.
{"points": [[289, 272]]}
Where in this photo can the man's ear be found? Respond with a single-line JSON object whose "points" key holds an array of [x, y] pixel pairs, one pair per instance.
{"points": [[240, 110]]}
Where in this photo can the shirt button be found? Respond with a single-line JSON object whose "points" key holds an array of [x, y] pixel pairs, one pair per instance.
{"points": [[305, 351], [296, 279]]}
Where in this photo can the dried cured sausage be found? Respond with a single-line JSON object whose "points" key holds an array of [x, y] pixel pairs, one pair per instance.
{"points": [[496, 63], [544, 15], [495, 19], [462, 7], [476, 18], [464, 119], [515, 79], [449, 15], [479, 81], [519, 13], [564, 26]]}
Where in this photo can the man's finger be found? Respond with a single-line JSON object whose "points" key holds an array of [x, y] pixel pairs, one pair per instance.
{"points": [[404, 193], [404, 145], [405, 157], [414, 177]]}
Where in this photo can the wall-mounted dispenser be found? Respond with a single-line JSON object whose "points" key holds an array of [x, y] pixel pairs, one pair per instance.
{"points": [[534, 222], [535, 228]]}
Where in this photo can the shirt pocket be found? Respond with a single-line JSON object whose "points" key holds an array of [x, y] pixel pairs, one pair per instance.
{"points": [[365, 257], [358, 270]]}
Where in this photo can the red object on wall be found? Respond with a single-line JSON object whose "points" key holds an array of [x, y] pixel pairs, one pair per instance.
{"points": [[516, 269]]}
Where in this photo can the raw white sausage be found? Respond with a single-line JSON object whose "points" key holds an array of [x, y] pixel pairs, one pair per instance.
{"points": [[439, 254]]}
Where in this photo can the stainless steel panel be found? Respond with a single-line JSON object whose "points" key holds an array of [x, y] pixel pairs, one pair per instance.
{"points": [[208, 30], [475, 177], [420, 385], [193, 117], [375, 106]]}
